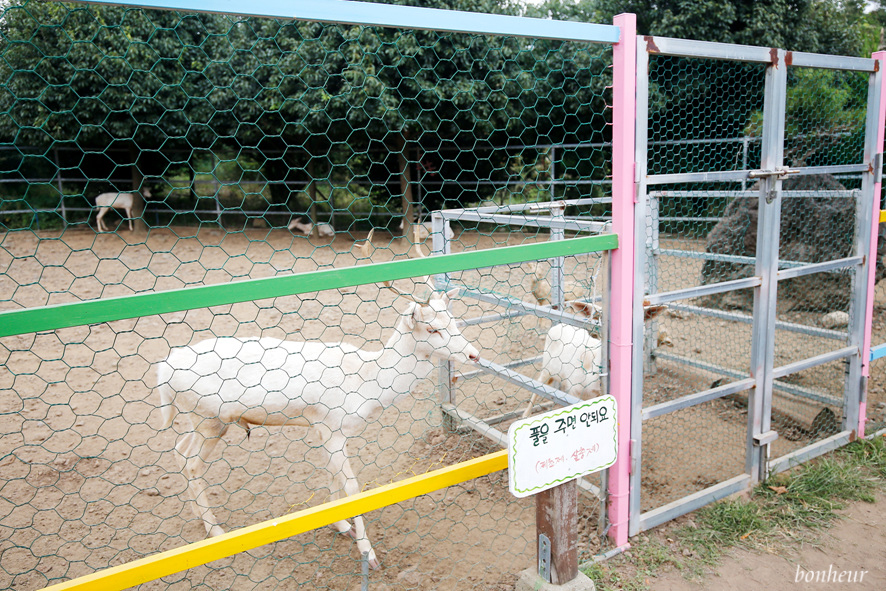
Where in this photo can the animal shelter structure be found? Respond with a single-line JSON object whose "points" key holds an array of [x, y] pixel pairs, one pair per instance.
{"points": [[339, 250]]}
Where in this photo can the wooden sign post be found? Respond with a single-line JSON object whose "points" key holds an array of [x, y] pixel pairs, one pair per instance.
{"points": [[546, 454]]}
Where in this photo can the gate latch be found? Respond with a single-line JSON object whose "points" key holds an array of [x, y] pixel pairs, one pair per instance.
{"points": [[781, 173], [765, 438]]}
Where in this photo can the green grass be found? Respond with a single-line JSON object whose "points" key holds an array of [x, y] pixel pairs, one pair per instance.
{"points": [[791, 506]]}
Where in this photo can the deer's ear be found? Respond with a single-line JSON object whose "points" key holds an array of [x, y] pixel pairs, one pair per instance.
{"points": [[446, 297], [650, 312], [586, 309], [409, 316], [422, 313]]}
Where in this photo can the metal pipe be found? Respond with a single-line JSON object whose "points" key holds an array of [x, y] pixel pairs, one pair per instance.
{"points": [[573, 224], [811, 362], [736, 374], [797, 268], [560, 316], [788, 461], [747, 319], [694, 501], [561, 398], [841, 266], [518, 363], [696, 399], [531, 207], [703, 290]]}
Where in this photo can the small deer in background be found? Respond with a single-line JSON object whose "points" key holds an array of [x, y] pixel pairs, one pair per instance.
{"points": [[323, 229], [125, 201]]}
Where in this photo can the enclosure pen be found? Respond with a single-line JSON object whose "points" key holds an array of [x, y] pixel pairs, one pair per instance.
{"points": [[272, 272], [247, 126]]}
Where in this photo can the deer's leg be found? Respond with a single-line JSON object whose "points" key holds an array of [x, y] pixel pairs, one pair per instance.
{"points": [[195, 447], [340, 467], [98, 219], [545, 378], [129, 217], [338, 480]]}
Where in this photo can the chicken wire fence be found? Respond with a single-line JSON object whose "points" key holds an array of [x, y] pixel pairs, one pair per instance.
{"points": [[243, 142], [713, 249]]}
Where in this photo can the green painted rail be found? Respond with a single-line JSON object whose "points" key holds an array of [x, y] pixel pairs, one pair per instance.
{"points": [[47, 318]]}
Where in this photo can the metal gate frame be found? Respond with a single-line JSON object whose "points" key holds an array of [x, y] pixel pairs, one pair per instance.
{"points": [[762, 374]]}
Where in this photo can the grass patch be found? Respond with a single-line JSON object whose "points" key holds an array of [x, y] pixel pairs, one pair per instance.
{"points": [[791, 506]]}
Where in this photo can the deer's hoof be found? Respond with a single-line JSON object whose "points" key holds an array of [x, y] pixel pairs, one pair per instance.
{"points": [[350, 532]]}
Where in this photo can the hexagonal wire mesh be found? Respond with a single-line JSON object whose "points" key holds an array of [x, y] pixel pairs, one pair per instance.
{"points": [[250, 136], [703, 233], [680, 455]]}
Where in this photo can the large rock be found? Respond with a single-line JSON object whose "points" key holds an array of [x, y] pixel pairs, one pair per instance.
{"points": [[813, 230]]}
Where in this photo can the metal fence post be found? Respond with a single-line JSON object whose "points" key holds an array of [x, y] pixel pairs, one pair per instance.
{"points": [[58, 180], [644, 261], [440, 244], [558, 276], [868, 215], [624, 82], [765, 296]]}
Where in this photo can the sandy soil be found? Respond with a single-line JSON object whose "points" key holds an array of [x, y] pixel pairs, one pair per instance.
{"points": [[89, 481], [854, 546]]}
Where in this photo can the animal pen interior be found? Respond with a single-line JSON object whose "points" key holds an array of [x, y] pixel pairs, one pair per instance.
{"points": [[234, 127]]}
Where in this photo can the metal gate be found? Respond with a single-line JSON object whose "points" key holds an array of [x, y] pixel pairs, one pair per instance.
{"points": [[756, 171]]}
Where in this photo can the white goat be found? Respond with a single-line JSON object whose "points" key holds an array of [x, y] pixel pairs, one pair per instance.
{"points": [[124, 201], [573, 357], [423, 230], [334, 388], [323, 229]]}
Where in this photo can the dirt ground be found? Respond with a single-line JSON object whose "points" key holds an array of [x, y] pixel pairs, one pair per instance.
{"points": [[88, 480], [854, 546]]}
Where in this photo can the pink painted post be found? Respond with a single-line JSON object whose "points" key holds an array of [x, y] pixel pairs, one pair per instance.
{"points": [[880, 56], [624, 101]]}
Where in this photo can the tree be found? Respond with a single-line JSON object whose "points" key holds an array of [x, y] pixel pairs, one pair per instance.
{"points": [[819, 26]]}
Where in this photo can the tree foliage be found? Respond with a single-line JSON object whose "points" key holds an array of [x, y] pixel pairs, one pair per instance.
{"points": [[293, 96]]}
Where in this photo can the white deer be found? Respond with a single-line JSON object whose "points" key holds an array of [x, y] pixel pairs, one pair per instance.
{"points": [[541, 288], [573, 357], [423, 230], [333, 388], [124, 201], [323, 229]]}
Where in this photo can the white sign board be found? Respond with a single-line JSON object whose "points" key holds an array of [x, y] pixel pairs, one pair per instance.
{"points": [[549, 449]]}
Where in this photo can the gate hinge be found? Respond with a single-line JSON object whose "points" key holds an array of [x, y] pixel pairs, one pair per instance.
{"points": [[634, 460], [877, 166], [544, 557]]}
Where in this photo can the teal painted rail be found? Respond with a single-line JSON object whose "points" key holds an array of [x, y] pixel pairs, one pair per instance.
{"points": [[47, 318]]}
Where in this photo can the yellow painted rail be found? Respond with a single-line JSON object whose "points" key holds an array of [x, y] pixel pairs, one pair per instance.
{"points": [[883, 216], [173, 561]]}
